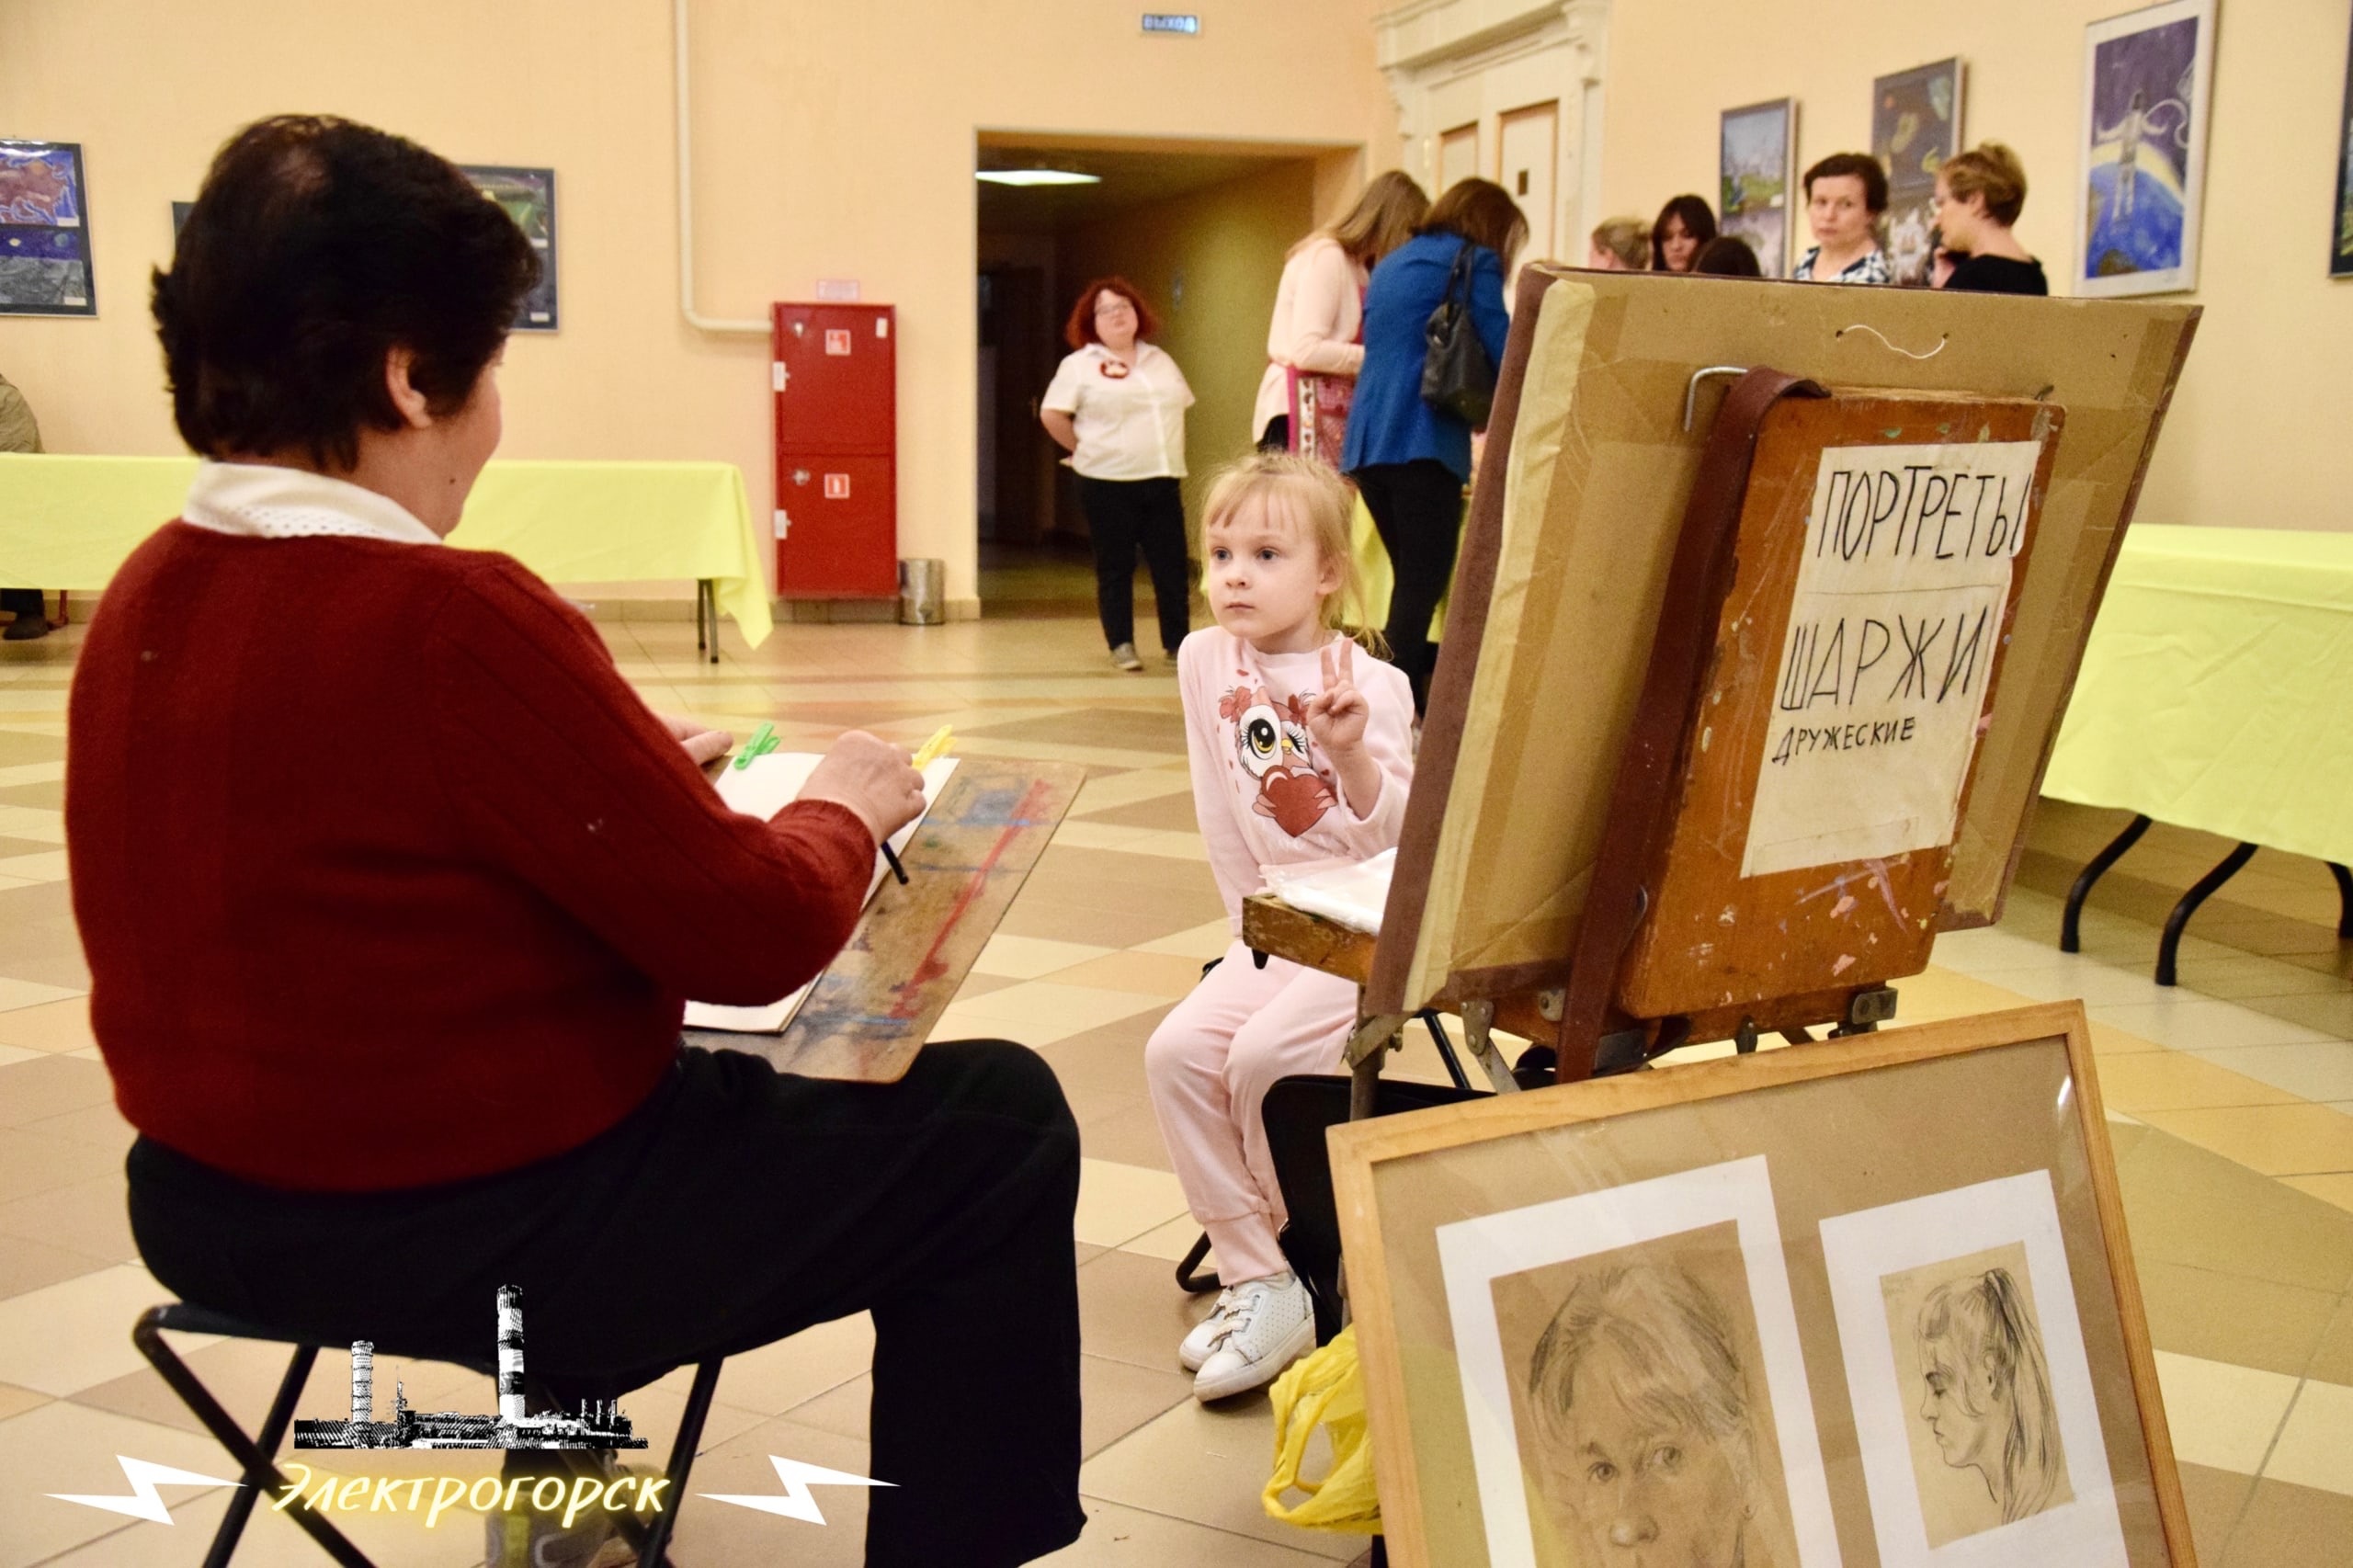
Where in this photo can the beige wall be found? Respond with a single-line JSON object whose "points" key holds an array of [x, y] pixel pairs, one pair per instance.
{"points": [[1228, 244], [831, 141], [2257, 433]]}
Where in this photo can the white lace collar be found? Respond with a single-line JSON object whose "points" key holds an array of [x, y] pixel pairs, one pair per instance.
{"points": [[262, 501]]}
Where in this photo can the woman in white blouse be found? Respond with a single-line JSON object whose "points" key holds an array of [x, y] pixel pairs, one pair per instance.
{"points": [[1117, 404], [1318, 312]]}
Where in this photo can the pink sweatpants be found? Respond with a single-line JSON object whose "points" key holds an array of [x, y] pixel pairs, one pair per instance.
{"points": [[1210, 1062]]}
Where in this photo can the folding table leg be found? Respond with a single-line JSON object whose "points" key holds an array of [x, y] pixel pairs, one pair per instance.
{"points": [[2070, 938], [652, 1552], [2169, 945], [261, 1473]]}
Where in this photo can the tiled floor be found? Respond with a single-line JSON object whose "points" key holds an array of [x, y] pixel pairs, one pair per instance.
{"points": [[2233, 1096]]}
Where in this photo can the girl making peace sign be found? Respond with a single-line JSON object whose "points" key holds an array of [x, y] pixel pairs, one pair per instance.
{"points": [[1301, 752]]}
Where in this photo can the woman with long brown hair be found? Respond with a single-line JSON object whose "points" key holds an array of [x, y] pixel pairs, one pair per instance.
{"points": [[1685, 226], [1315, 335], [1410, 459]]}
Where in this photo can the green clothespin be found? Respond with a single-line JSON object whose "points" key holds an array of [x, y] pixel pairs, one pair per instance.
{"points": [[762, 742]]}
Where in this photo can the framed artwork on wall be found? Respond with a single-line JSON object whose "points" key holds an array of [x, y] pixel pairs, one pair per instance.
{"points": [[44, 230], [1916, 126], [1872, 1289], [2146, 79], [1755, 173], [2340, 238], [528, 196]]}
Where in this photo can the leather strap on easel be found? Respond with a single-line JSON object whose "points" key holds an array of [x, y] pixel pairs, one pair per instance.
{"points": [[1645, 792]]}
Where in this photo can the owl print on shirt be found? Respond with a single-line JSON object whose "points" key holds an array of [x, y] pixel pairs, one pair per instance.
{"points": [[1270, 742]]}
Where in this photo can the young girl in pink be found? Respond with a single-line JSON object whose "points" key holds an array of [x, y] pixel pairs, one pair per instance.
{"points": [[1301, 751]]}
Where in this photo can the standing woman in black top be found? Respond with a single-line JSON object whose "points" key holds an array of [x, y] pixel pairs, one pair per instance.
{"points": [[1979, 195]]}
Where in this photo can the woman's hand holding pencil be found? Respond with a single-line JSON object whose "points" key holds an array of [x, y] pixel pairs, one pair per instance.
{"points": [[871, 778]]}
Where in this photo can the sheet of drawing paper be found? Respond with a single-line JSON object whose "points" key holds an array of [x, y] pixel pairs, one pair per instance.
{"points": [[771, 783], [1883, 681]]}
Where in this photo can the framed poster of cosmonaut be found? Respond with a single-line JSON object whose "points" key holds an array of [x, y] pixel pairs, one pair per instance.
{"points": [[1856, 1301]]}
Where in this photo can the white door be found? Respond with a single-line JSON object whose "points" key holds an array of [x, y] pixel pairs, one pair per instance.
{"points": [[1529, 169], [1457, 155]]}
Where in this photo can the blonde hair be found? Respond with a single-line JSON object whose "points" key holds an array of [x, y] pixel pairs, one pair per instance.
{"points": [[1315, 500], [1993, 171], [1628, 239], [1384, 217]]}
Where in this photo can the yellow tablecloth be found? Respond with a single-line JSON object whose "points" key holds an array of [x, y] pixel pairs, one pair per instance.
{"points": [[2217, 691], [67, 522]]}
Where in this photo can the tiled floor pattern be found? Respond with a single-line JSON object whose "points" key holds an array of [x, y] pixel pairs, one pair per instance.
{"points": [[2233, 1098]]}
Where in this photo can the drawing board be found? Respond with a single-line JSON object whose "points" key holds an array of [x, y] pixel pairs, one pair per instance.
{"points": [[1565, 566]]}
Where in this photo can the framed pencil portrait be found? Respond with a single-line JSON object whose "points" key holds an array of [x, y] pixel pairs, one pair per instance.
{"points": [[1863, 1301]]}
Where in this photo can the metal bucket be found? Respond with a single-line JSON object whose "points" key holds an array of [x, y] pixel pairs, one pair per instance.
{"points": [[923, 592]]}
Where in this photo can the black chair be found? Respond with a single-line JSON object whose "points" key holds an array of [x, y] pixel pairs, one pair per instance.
{"points": [[1298, 1112], [1195, 1281], [255, 1453]]}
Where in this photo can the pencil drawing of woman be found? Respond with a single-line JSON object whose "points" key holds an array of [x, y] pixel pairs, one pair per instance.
{"points": [[1646, 1429], [1987, 1397]]}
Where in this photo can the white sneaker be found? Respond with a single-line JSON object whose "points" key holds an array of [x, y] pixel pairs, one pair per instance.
{"points": [[1203, 1340], [1124, 655], [1270, 1324]]}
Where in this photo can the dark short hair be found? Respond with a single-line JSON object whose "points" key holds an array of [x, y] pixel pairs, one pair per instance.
{"points": [[315, 247], [1698, 220], [1480, 211], [1079, 330], [1861, 167], [1727, 256]]}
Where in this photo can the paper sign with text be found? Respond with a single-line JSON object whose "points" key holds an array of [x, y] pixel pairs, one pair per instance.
{"points": [[1890, 649]]}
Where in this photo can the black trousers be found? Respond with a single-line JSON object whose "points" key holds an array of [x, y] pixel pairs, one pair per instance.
{"points": [[22, 601], [1417, 507], [736, 1206], [1124, 516]]}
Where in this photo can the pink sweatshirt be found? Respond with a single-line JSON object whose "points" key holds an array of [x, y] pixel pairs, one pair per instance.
{"points": [[1266, 796]]}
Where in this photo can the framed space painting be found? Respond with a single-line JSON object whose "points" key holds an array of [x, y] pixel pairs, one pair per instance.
{"points": [[1916, 126], [2146, 81], [1868, 1300], [44, 230], [2340, 217], [1756, 171], [528, 196]]}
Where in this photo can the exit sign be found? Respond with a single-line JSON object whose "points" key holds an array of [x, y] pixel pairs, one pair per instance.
{"points": [[1169, 22]]}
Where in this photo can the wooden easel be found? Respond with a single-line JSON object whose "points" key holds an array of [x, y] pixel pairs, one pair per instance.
{"points": [[1677, 944], [1646, 959]]}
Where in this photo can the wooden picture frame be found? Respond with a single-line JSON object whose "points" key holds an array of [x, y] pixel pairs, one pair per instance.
{"points": [[1795, 1237]]}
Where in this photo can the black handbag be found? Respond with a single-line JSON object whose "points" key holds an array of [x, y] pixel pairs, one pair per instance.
{"points": [[1457, 376]]}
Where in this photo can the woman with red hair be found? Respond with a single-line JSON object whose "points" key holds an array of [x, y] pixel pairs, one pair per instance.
{"points": [[1117, 406]]}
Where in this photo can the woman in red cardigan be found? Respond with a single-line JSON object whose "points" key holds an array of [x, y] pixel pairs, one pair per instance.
{"points": [[391, 890]]}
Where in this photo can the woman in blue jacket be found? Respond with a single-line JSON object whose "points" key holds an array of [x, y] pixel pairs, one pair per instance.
{"points": [[1410, 460]]}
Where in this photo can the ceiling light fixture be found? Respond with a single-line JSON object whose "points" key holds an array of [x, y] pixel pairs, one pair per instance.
{"points": [[1036, 176]]}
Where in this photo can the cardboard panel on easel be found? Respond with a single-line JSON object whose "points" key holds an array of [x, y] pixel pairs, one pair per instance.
{"points": [[1883, 546], [1564, 568]]}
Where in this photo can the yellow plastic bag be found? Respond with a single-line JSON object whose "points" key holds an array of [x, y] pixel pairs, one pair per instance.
{"points": [[1324, 1390]]}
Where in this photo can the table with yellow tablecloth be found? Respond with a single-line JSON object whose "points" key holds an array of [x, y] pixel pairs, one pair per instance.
{"points": [[68, 522], [2217, 693]]}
